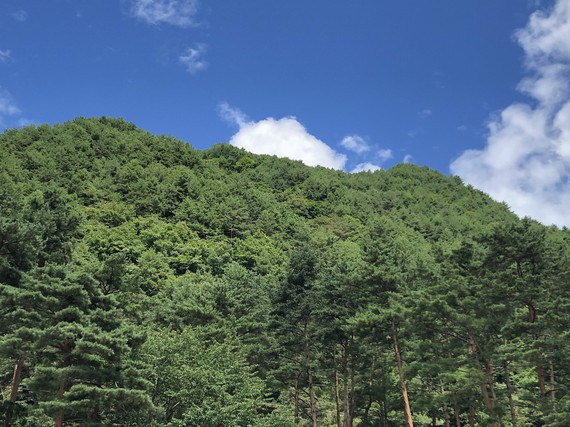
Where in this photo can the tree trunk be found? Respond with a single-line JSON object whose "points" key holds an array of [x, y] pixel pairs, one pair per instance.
{"points": [[472, 415], [59, 420], [352, 398], [16, 379], [552, 383], [336, 388], [312, 398], [365, 420], [538, 357], [493, 396], [384, 413], [485, 394], [510, 395], [296, 397], [456, 411], [486, 386], [66, 350], [488, 391], [445, 407], [407, 410], [491, 383], [446, 419], [540, 375], [345, 396]]}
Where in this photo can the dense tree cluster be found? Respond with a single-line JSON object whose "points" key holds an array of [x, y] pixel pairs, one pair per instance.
{"points": [[145, 283]]}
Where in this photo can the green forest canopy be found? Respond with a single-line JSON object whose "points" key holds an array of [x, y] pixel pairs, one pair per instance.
{"points": [[145, 283]]}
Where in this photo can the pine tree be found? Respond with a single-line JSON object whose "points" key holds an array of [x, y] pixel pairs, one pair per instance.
{"points": [[73, 335], [294, 323]]}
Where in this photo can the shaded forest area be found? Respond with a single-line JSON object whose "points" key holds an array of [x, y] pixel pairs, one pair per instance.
{"points": [[145, 283]]}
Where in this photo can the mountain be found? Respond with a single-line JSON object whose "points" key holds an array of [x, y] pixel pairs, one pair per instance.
{"points": [[143, 282]]}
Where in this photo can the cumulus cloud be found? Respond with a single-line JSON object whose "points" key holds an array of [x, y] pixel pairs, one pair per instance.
{"points": [[5, 55], [526, 160], [407, 158], [284, 137], [365, 167], [355, 143], [180, 13], [193, 59]]}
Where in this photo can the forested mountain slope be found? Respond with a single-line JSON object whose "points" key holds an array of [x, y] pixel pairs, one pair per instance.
{"points": [[145, 283]]}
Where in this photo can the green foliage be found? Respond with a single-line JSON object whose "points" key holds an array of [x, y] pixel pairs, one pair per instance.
{"points": [[198, 382], [71, 335], [145, 283]]}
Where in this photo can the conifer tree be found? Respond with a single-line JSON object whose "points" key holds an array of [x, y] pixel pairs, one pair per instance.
{"points": [[73, 335]]}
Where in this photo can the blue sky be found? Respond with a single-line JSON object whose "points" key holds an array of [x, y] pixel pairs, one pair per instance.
{"points": [[353, 85]]}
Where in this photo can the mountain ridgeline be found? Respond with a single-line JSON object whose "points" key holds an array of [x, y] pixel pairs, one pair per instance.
{"points": [[146, 283]]}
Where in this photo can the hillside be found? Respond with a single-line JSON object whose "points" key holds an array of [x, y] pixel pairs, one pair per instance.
{"points": [[143, 282]]}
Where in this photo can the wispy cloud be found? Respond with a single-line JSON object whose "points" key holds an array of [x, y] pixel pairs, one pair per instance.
{"points": [[8, 107], [425, 113], [526, 159], [22, 122], [438, 79], [358, 145], [5, 55], [181, 13], [407, 158], [355, 143], [284, 137], [10, 113], [385, 154], [232, 115], [7, 104], [193, 58], [20, 15], [365, 167]]}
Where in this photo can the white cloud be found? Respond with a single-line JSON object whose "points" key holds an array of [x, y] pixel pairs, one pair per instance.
{"points": [[526, 160], [385, 154], [408, 158], [425, 113], [365, 167], [461, 128], [5, 55], [355, 143], [20, 15], [181, 13], [22, 122], [233, 115], [7, 105], [193, 59], [284, 137]]}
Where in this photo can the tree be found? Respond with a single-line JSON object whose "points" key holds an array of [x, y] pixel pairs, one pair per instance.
{"points": [[73, 335], [201, 382], [399, 264], [293, 324]]}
